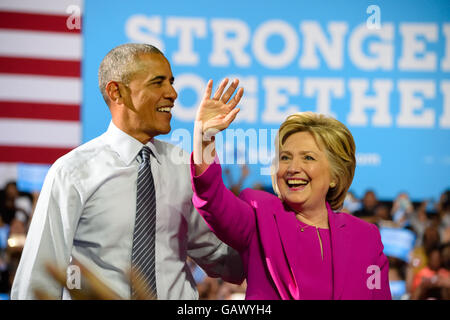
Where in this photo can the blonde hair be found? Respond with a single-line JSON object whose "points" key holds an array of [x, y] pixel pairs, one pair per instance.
{"points": [[339, 146]]}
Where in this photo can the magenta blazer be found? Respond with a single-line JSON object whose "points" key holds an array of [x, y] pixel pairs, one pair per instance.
{"points": [[257, 225]]}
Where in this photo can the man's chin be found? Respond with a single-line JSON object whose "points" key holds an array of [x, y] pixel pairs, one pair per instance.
{"points": [[163, 131]]}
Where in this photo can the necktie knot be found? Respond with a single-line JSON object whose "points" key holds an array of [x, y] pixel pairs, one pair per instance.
{"points": [[145, 154]]}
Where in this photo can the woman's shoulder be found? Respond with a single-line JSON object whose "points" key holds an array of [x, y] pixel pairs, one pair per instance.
{"points": [[260, 197], [357, 223]]}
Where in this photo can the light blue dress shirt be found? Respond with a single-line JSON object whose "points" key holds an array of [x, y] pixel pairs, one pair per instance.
{"points": [[86, 210]]}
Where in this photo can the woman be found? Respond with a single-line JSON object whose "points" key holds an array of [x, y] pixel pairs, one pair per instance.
{"points": [[296, 245]]}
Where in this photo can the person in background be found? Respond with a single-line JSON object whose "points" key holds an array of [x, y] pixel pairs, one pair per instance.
{"points": [[14, 204], [419, 221], [443, 209], [402, 209], [296, 245], [369, 205], [123, 200], [397, 269], [4, 270], [383, 217], [419, 256], [351, 203], [433, 281], [236, 187]]}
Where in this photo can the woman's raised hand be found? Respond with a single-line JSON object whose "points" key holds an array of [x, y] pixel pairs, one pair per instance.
{"points": [[216, 113]]}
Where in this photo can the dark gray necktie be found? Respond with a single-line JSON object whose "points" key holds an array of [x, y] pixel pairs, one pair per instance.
{"points": [[143, 252]]}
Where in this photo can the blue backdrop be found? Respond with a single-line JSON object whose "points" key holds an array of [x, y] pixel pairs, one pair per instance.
{"points": [[381, 68]]}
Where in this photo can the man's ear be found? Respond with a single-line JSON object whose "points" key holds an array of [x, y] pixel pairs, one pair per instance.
{"points": [[113, 91]]}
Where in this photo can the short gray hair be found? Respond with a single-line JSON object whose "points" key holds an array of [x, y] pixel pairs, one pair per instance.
{"points": [[121, 63]]}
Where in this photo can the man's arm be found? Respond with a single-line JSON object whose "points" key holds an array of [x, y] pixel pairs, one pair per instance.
{"points": [[50, 236]]}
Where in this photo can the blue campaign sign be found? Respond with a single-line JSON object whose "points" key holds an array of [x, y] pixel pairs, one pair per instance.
{"points": [[30, 177], [397, 243], [383, 70]]}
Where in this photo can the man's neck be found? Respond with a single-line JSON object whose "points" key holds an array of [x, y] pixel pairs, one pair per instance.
{"points": [[142, 137]]}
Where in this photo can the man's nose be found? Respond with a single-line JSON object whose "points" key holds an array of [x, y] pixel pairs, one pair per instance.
{"points": [[171, 93]]}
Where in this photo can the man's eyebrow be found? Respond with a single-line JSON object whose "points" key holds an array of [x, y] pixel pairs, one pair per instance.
{"points": [[157, 78], [161, 78]]}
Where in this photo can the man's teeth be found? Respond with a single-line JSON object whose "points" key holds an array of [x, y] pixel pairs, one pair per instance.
{"points": [[164, 109]]}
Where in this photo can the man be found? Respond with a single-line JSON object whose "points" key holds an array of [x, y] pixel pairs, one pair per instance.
{"points": [[91, 204]]}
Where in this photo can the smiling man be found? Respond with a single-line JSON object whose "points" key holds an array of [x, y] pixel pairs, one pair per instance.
{"points": [[120, 200]]}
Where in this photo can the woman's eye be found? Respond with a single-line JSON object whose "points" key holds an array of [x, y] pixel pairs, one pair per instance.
{"points": [[309, 158], [284, 157]]}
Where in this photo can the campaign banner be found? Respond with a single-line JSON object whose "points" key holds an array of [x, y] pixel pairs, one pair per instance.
{"points": [[30, 176], [382, 68], [398, 243]]}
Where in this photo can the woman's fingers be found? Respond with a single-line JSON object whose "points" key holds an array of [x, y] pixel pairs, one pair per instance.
{"points": [[139, 286], [230, 91], [208, 90], [61, 277], [57, 274], [42, 295], [98, 289], [220, 90], [231, 116], [236, 99]]}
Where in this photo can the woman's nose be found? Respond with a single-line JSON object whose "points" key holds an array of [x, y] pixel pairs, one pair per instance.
{"points": [[294, 167]]}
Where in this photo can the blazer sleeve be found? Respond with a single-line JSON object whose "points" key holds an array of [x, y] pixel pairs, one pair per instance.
{"points": [[384, 293], [229, 217]]}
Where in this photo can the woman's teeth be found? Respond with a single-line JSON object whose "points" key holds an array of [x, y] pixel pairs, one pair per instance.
{"points": [[296, 183]]}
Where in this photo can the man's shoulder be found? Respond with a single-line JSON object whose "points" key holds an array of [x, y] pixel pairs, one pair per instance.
{"points": [[171, 152], [79, 156]]}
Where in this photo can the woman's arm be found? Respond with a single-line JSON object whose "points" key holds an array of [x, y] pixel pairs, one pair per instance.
{"points": [[231, 218], [213, 115]]}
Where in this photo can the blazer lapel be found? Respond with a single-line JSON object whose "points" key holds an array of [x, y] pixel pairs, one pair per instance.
{"points": [[286, 224], [340, 250]]}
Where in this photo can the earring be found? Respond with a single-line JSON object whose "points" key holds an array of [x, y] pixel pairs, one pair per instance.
{"points": [[332, 184]]}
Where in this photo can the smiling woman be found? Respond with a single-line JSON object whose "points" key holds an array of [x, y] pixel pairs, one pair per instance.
{"points": [[321, 141], [296, 246]]}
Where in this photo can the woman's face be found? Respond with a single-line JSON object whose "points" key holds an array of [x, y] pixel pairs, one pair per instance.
{"points": [[303, 175]]}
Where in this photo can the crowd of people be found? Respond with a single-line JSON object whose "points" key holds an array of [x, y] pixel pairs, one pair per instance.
{"points": [[16, 209], [424, 274]]}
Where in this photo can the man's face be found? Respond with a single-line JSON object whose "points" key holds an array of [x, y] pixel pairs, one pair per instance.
{"points": [[150, 98]]}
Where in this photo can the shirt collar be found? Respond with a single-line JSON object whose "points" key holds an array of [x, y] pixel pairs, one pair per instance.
{"points": [[126, 146]]}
